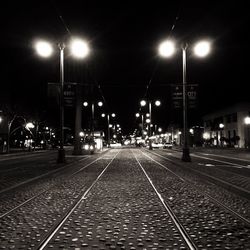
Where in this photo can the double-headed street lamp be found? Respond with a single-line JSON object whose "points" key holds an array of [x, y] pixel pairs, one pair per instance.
{"points": [[201, 49], [109, 125], [79, 49], [156, 103], [100, 104]]}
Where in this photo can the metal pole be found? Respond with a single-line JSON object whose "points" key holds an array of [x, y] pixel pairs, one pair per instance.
{"points": [[142, 124], [61, 152], [93, 118], [150, 114], [185, 153], [108, 131]]}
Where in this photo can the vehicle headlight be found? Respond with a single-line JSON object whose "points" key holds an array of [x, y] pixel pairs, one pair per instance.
{"points": [[91, 147], [86, 147]]}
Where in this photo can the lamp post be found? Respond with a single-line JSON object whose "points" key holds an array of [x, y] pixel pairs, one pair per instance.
{"points": [[79, 49], [108, 120], [201, 49], [142, 121], [100, 104], [143, 103], [247, 123], [221, 126]]}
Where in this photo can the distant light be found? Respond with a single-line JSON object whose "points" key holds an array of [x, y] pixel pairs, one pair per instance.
{"points": [[110, 125], [43, 48], [206, 136], [221, 125], [81, 134], [1, 119], [179, 132], [191, 131], [79, 48], [30, 125], [100, 104], [247, 120], [147, 115], [117, 125], [85, 104], [202, 48], [143, 103], [167, 48], [86, 147], [113, 114], [159, 129], [148, 121], [103, 115], [157, 103], [137, 114]]}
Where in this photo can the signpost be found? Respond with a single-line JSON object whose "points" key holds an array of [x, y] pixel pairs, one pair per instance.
{"points": [[177, 96]]}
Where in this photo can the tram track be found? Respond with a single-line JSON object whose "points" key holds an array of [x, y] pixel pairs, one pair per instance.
{"points": [[188, 193], [55, 238], [66, 192], [239, 216], [231, 181], [188, 240], [44, 242]]}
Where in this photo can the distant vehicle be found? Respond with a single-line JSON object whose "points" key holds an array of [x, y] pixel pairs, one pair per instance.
{"points": [[168, 145], [115, 145], [89, 145], [157, 145]]}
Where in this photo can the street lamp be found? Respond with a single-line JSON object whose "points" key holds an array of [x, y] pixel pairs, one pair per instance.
{"points": [[149, 115], [201, 49], [247, 123], [79, 49], [100, 104], [142, 120], [109, 125]]}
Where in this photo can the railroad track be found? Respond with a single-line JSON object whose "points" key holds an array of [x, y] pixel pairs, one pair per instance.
{"points": [[200, 201], [234, 182], [128, 193], [245, 220]]}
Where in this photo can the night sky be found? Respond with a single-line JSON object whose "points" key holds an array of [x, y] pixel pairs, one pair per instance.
{"points": [[124, 37]]}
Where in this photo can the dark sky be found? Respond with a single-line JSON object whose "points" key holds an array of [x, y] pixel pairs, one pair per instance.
{"points": [[124, 36]]}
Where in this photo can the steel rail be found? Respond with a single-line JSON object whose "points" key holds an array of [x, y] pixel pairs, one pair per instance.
{"points": [[37, 195], [55, 229], [172, 215], [209, 196]]}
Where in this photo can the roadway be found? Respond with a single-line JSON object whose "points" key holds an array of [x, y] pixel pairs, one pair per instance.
{"points": [[127, 198]]}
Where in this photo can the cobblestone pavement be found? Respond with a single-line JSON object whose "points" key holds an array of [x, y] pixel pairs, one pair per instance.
{"points": [[122, 211], [118, 206]]}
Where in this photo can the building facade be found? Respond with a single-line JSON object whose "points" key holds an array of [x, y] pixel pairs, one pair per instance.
{"points": [[227, 127]]}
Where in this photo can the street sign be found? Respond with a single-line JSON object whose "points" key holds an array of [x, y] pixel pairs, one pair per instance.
{"points": [[69, 93], [177, 95]]}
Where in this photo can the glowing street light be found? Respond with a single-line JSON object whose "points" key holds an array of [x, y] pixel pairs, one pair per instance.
{"points": [[79, 49], [143, 103], [44, 49], [167, 48], [201, 49], [221, 125], [247, 120]]}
